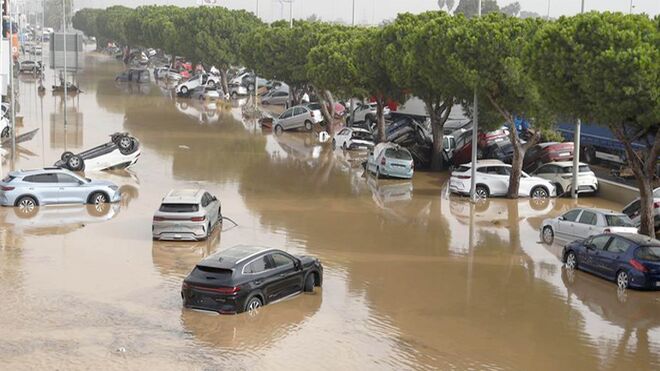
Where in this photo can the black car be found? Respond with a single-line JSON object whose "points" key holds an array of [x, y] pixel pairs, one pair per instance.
{"points": [[502, 151], [244, 278]]}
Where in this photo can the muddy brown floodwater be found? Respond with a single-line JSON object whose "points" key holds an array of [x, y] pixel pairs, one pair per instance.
{"points": [[413, 278]]}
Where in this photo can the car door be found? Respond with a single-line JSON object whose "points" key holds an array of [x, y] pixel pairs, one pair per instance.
{"points": [[279, 97], [299, 117], [586, 224], [285, 119], [547, 172], [70, 190], [289, 277], [498, 180], [262, 276], [342, 137], [591, 259], [608, 259], [633, 212], [44, 186], [566, 224]]}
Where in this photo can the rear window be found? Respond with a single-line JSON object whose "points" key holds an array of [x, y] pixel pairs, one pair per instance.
{"points": [[210, 273], [582, 168], [8, 179], [399, 154], [462, 169], [618, 221], [179, 208], [651, 253]]}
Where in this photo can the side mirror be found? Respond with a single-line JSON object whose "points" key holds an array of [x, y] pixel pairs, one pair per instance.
{"points": [[297, 264], [561, 218], [589, 246]]}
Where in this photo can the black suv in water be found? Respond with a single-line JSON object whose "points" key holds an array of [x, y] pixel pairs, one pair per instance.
{"points": [[244, 278]]}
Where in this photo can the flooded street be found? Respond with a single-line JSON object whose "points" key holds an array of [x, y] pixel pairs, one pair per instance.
{"points": [[413, 278]]}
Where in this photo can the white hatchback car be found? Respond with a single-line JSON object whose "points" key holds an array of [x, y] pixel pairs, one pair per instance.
{"points": [[353, 138], [582, 223], [493, 180], [203, 79], [561, 175], [633, 210], [186, 215]]}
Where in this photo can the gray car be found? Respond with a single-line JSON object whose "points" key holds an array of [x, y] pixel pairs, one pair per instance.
{"points": [[28, 189], [273, 97], [581, 223], [186, 215], [296, 117]]}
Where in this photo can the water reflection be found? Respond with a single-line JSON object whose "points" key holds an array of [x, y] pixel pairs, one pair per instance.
{"points": [[57, 220], [176, 259], [203, 112]]}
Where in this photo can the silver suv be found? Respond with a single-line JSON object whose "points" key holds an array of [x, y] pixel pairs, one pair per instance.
{"points": [[186, 215], [28, 189]]}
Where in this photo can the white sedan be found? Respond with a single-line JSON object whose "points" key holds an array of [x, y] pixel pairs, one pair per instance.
{"points": [[561, 175], [353, 138], [492, 178], [582, 223]]}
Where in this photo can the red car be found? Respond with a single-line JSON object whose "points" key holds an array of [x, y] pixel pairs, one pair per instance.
{"points": [[547, 152], [463, 152]]}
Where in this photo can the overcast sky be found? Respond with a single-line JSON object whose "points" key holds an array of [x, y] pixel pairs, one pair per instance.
{"points": [[374, 11]]}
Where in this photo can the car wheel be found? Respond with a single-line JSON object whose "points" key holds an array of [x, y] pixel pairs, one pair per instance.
{"points": [[539, 192], [75, 163], [622, 279], [98, 210], [65, 156], [308, 125], [571, 260], [211, 84], [482, 192], [278, 129], [98, 198], [253, 304], [334, 144], [548, 235], [559, 189], [310, 282], [5, 132], [184, 90], [26, 207]]}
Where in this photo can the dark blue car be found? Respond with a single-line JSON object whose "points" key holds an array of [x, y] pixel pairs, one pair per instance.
{"points": [[632, 260]]}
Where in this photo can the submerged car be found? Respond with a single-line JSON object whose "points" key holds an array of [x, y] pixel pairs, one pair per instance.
{"points": [[583, 222], [631, 260], [353, 138], [121, 152], [633, 210], [186, 215], [493, 180], [561, 175], [390, 160], [139, 75], [244, 278], [28, 189], [547, 152], [203, 79], [295, 118], [205, 93]]}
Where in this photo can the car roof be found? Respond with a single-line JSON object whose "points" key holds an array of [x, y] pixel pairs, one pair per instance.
{"points": [[233, 256], [599, 211], [564, 163], [38, 171], [361, 130], [640, 239], [546, 144], [482, 163], [183, 195]]}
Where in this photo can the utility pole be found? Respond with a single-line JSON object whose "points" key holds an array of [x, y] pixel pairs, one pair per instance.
{"points": [[576, 147], [256, 80], [631, 6], [475, 128], [353, 21], [548, 14], [351, 117], [11, 83], [66, 92]]}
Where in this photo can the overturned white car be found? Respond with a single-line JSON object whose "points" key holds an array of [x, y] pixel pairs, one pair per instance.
{"points": [[121, 152]]}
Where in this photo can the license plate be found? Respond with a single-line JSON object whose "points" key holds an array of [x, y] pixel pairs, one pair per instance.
{"points": [[564, 154], [177, 236]]}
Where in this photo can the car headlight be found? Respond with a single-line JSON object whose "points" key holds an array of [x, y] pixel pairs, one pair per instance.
{"points": [[113, 187]]}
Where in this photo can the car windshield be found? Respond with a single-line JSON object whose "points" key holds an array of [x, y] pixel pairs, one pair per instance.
{"points": [[651, 253], [179, 208], [583, 169], [399, 154], [362, 135], [618, 220], [314, 106]]}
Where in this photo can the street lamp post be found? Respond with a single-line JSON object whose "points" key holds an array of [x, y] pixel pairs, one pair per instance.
{"points": [[64, 70], [11, 83], [475, 128], [576, 147]]}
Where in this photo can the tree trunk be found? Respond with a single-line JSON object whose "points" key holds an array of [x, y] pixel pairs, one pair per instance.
{"points": [[223, 80], [438, 113], [325, 100], [380, 119], [644, 168], [519, 150]]}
